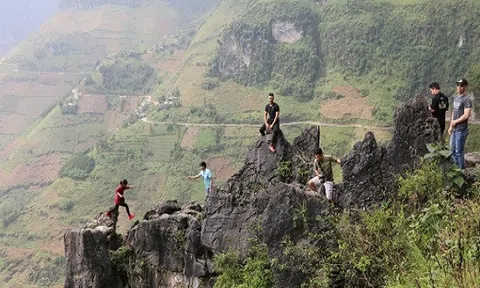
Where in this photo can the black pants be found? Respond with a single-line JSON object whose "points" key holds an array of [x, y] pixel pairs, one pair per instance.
{"points": [[441, 121], [123, 204], [275, 130]]}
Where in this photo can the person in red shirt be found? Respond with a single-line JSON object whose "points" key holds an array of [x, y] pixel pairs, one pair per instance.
{"points": [[120, 200]]}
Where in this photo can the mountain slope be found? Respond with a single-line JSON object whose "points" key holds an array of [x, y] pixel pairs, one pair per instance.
{"points": [[40, 137], [386, 50]]}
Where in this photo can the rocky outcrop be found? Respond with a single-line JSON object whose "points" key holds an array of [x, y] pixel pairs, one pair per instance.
{"points": [[286, 32], [164, 250], [87, 255], [370, 171], [267, 204], [254, 52], [472, 159], [265, 200], [169, 240], [241, 46]]}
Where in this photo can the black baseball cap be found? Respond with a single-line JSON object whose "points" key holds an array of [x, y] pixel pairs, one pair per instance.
{"points": [[463, 81]]}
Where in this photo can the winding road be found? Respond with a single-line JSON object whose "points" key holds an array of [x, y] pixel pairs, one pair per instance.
{"points": [[186, 124]]}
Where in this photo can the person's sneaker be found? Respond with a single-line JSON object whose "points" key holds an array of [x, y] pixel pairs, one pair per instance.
{"points": [[131, 216], [108, 214], [271, 148]]}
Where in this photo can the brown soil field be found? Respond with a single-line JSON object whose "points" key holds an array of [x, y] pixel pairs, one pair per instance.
{"points": [[130, 103], [9, 148], [16, 253], [33, 107], [55, 246], [114, 119], [92, 104], [189, 138], [352, 104], [13, 123], [33, 89], [221, 168], [43, 169], [172, 64]]}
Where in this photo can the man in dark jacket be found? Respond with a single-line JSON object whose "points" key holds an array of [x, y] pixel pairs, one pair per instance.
{"points": [[439, 104]]}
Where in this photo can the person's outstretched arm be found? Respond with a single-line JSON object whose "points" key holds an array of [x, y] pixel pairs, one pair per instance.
{"points": [[195, 177]]}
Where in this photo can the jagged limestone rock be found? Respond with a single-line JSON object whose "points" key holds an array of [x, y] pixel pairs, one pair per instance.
{"points": [[370, 171], [168, 245], [87, 260]]}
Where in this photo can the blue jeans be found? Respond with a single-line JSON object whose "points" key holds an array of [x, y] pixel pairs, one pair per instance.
{"points": [[457, 142]]}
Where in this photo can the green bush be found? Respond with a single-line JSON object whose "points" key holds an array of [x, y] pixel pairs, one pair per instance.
{"points": [[121, 258], [371, 246], [66, 205], [255, 271], [424, 238], [122, 74], [78, 167], [284, 169], [425, 183]]}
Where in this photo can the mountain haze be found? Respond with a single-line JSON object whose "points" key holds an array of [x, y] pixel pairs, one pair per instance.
{"points": [[20, 18]]}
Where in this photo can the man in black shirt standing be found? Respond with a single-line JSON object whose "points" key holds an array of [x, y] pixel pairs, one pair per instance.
{"points": [[439, 104], [271, 120]]}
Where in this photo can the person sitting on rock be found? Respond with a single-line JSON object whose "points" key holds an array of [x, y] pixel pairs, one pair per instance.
{"points": [[322, 166], [271, 120], [120, 200], [206, 174]]}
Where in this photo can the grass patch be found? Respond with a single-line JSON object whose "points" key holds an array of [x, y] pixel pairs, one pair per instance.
{"points": [[206, 139]]}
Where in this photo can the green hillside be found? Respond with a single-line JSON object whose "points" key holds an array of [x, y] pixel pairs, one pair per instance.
{"points": [[341, 62], [386, 50]]}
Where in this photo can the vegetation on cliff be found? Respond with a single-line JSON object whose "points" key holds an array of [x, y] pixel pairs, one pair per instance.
{"points": [[428, 236]]}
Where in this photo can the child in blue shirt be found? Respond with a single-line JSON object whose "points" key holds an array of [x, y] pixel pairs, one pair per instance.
{"points": [[206, 174]]}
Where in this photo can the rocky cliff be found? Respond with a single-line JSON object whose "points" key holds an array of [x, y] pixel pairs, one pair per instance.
{"points": [[274, 42], [266, 200]]}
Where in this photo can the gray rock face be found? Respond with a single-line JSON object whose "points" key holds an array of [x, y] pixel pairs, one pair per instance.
{"points": [[242, 50], [87, 260], [370, 171], [257, 203], [286, 32], [87, 257], [170, 241]]}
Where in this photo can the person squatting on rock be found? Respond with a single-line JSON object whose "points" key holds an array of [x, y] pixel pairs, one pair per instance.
{"points": [[462, 109], [206, 174], [322, 166], [439, 104], [271, 120], [120, 200]]}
